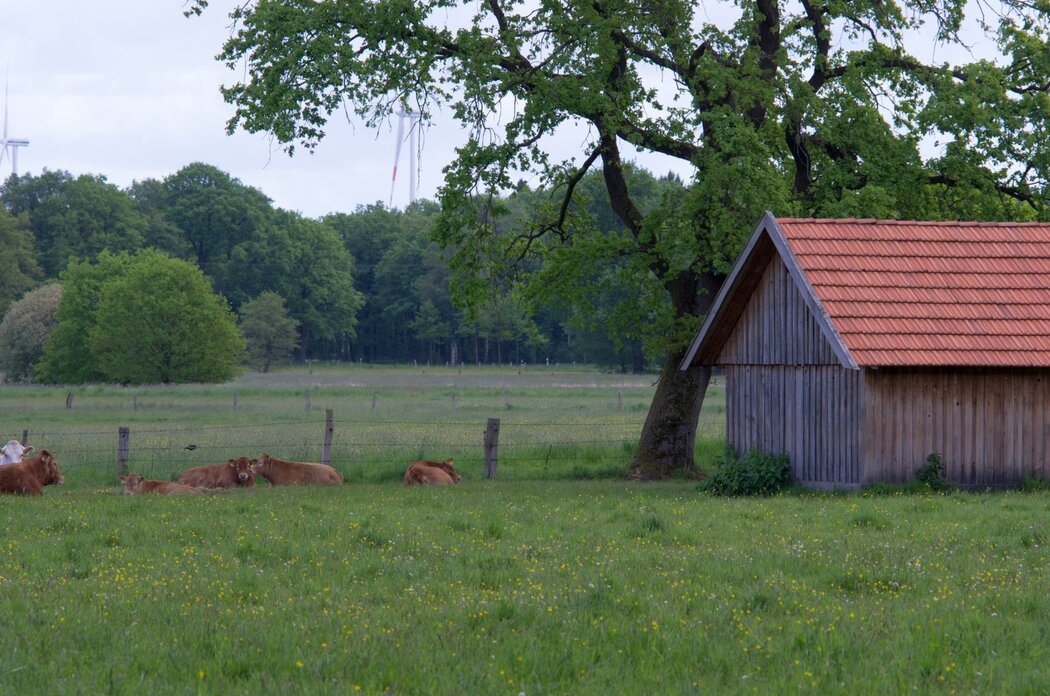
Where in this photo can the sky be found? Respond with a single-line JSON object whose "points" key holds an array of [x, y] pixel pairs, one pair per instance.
{"points": [[129, 89]]}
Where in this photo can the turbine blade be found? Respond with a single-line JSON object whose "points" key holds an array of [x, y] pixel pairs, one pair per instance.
{"points": [[397, 152]]}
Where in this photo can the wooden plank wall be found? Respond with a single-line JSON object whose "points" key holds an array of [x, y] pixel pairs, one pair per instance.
{"points": [[776, 327], [989, 426], [811, 412]]}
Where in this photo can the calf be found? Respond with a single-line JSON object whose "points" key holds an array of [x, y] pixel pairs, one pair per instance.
{"points": [[135, 485], [280, 472], [13, 452], [426, 472], [29, 476], [235, 472]]}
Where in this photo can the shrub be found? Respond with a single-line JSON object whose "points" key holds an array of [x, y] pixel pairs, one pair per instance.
{"points": [[931, 474], [756, 473]]}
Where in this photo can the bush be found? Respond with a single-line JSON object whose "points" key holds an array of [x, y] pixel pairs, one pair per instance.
{"points": [[756, 473], [931, 474]]}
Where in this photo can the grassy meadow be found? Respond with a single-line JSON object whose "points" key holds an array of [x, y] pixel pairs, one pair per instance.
{"points": [[556, 578]]}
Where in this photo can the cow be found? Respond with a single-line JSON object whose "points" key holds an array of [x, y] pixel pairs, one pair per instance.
{"points": [[280, 472], [13, 452], [29, 476], [136, 485], [234, 473], [426, 472]]}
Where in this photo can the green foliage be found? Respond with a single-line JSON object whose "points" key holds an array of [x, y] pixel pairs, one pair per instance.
{"points": [[160, 322], [140, 319], [756, 473], [20, 270], [271, 334], [931, 474], [24, 331], [74, 216]]}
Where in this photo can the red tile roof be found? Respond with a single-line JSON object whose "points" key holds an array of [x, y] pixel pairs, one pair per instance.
{"points": [[930, 293]]}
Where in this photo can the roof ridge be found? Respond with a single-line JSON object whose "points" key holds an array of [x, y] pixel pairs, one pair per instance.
{"points": [[895, 222]]}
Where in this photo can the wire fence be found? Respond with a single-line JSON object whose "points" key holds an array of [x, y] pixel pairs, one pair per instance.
{"points": [[361, 448]]}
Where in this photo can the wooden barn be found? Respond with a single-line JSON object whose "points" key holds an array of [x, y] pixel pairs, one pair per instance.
{"points": [[859, 347]]}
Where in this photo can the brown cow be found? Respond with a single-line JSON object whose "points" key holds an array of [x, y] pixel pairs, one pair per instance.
{"points": [[426, 472], [29, 476], [135, 485], [280, 472], [235, 472]]}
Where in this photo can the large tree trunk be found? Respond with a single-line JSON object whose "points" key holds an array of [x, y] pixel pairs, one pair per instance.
{"points": [[668, 438]]}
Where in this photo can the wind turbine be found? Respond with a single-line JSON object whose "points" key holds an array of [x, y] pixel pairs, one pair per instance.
{"points": [[413, 123], [9, 146]]}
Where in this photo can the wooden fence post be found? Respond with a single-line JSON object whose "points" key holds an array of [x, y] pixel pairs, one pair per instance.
{"points": [[123, 436], [453, 401], [326, 449], [506, 400], [619, 400], [69, 400], [306, 400], [235, 401], [135, 402], [373, 402], [491, 447]]}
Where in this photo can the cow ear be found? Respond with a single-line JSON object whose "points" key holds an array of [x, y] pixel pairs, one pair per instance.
{"points": [[232, 463], [123, 479], [27, 450]]}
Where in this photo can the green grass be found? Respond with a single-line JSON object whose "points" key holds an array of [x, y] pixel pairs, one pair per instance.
{"points": [[523, 586]]}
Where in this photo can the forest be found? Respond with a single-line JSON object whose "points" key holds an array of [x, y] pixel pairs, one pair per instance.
{"points": [[365, 286]]}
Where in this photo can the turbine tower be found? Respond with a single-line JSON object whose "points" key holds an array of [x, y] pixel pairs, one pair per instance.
{"points": [[9, 146], [413, 123]]}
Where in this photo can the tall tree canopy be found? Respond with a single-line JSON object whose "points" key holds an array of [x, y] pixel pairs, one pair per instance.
{"points": [[807, 107]]}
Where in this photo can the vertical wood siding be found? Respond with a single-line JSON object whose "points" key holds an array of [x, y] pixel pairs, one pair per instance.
{"points": [[776, 327], [810, 412], [989, 426]]}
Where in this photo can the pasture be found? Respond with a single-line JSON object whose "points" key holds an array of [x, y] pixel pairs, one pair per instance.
{"points": [[537, 582]]}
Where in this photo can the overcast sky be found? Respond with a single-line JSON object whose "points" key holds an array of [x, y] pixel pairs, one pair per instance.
{"points": [[129, 89]]}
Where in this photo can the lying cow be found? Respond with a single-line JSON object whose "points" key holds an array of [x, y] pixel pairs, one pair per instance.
{"points": [[280, 472], [235, 472], [13, 452], [29, 476], [425, 472], [136, 485]]}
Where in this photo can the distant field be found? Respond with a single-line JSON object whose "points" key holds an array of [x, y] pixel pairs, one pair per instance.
{"points": [[556, 422]]}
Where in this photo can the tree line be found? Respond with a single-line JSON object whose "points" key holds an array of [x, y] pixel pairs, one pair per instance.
{"points": [[370, 285]]}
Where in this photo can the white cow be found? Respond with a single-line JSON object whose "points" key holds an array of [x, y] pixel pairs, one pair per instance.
{"points": [[13, 452]]}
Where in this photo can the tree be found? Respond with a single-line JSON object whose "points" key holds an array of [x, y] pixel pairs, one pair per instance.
{"points": [[24, 331], [304, 262], [140, 319], [160, 322], [272, 335], [67, 355], [74, 217], [20, 271], [814, 108], [214, 213]]}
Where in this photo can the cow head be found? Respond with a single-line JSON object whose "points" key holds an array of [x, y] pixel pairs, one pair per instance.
{"points": [[131, 483], [447, 467], [50, 467], [261, 465], [14, 451], [245, 470]]}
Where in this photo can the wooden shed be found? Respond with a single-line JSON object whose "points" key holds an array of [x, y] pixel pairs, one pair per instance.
{"points": [[859, 347]]}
